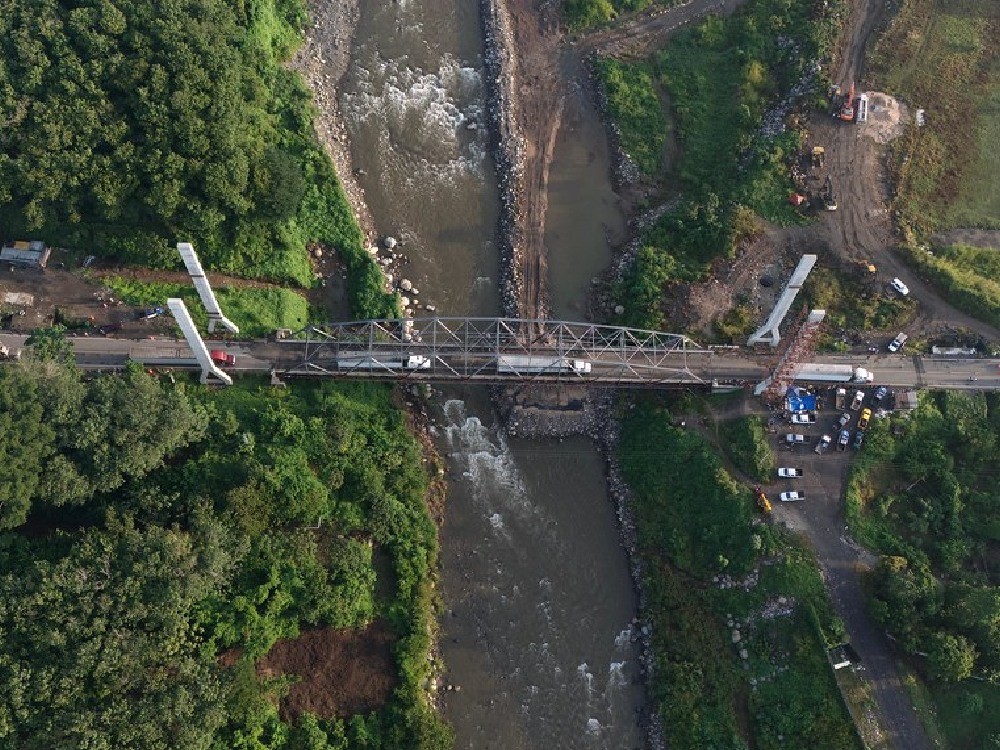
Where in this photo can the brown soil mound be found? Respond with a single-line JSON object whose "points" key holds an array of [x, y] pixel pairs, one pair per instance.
{"points": [[343, 672]]}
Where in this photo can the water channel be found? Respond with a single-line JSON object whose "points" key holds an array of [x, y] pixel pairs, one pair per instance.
{"points": [[539, 601]]}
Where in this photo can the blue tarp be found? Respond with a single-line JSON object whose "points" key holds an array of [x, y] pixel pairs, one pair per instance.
{"points": [[802, 402]]}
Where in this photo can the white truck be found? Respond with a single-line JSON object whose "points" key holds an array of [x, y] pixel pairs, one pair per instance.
{"points": [[515, 364], [407, 362], [816, 373]]}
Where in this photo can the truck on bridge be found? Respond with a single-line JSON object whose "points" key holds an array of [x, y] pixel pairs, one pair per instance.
{"points": [[814, 373], [406, 362], [529, 364]]}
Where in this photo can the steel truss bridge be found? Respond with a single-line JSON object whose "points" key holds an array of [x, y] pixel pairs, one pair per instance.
{"points": [[497, 350]]}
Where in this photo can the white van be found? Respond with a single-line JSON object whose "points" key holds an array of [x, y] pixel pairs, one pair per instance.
{"points": [[861, 108]]}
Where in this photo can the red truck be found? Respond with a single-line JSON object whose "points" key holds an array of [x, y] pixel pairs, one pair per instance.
{"points": [[222, 358]]}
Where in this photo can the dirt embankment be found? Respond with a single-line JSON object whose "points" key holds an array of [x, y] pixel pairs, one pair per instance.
{"points": [[525, 98]]}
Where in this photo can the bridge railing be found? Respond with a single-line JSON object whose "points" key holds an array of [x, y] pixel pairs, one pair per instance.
{"points": [[473, 348]]}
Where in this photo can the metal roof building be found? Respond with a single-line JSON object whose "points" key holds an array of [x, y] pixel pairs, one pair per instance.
{"points": [[32, 253]]}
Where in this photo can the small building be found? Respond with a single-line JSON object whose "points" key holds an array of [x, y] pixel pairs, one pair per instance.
{"points": [[906, 400], [33, 253]]}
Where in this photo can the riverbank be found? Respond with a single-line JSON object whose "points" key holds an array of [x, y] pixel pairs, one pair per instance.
{"points": [[322, 61]]}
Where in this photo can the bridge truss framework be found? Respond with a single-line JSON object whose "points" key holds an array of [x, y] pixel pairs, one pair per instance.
{"points": [[470, 349]]}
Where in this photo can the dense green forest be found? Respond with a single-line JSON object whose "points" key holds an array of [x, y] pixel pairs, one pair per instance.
{"points": [[721, 77], [158, 539], [924, 493], [711, 567], [132, 124]]}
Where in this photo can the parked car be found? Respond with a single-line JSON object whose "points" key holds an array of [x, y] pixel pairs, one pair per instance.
{"points": [[866, 415], [803, 418], [788, 472], [840, 423], [845, 436], [794, 438], [897, 343], [859, 438], [788, 497], [859, 398], [880, 393], [823, 444], [150, 313], [900, 287]]}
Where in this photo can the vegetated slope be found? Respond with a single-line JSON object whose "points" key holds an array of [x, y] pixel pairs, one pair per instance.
{"points": [[174, 534], [131, 125], [923, 492], [739, 614], [944, 56], [722, 77]]}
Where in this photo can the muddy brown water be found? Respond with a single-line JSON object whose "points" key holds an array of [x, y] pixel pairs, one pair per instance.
{"points": [[538, 597], [585, 218]]}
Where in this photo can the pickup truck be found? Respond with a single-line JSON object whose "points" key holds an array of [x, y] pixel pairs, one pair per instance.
{"points": [[897, 343], [859, 398], [794, 438], [788, 497], [222, 358], [823, 444], [803, 418], [788, 472]]}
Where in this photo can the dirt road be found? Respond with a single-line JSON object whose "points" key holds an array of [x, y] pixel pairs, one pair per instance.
{"points": [[862, 229], [641, 34], [821, 519]]}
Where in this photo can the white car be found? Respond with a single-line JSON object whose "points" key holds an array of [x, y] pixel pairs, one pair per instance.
{"points": [[788, 497], [803, 418], [897, 343], [788, 472], [900, 287]]}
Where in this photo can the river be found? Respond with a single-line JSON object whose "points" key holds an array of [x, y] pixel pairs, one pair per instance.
{"points": [[539, 603]]}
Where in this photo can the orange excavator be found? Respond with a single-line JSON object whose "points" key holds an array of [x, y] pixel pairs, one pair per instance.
{"points": [[847, 110]]}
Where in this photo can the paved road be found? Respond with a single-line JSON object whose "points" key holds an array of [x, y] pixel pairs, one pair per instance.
{"points": [[896, 371]]}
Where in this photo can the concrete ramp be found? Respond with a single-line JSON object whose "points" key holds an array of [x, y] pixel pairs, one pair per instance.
{"points": [[768, 333], [209, 369], [197, 273]]}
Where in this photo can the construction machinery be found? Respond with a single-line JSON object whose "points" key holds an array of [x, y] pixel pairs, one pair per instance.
{"points": [[829, 199], [847, 108]]}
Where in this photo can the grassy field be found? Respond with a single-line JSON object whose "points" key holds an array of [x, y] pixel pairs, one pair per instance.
{"points": [[969, 276], [855, 301], [634, 104], [257, 312], [713, 569], [944, 56]]}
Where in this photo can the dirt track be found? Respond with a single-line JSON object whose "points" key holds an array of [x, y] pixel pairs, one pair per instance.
{"points": [[862, 228]]}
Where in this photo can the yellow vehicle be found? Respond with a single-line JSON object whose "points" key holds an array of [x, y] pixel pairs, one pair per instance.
{"points": [[762, 502], [866, 416]]}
